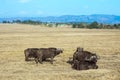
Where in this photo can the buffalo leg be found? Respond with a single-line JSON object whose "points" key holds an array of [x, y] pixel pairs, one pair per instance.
{"points": [[36, 60], [95, 67], [40, 60], [51, 60], [26, 59], [26, 56]]}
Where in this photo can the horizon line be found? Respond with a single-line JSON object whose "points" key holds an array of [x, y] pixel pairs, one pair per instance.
{"points": [[58, 15]]}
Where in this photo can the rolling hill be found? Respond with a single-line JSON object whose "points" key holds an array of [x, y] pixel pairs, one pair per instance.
{"points": [[100, 18]]}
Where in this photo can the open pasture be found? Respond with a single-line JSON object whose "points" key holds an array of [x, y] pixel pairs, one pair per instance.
{"points": [[15, 38]]}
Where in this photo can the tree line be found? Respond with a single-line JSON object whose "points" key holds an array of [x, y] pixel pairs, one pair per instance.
{"points": [[92, 25], [96, 25]]}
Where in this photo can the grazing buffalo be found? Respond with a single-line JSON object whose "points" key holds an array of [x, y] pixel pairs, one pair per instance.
{"points": [[41, 54]]}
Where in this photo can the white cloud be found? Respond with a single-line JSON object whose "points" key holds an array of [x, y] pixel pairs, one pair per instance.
{"points": [[24, 1]]}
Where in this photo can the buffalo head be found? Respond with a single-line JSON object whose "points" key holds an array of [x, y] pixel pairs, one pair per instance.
{"points": [[58, 51], [92, 58]]}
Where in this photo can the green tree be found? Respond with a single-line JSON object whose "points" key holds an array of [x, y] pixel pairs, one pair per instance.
{"points": [[81, 25], [74, 25], [116, 26], [93, 25], [6, 22]]}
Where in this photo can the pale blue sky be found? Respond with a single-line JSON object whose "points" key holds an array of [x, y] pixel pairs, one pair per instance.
{"points": [[37, 8]]}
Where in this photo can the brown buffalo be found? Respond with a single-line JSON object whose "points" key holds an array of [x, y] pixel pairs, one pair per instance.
{"points": [[40, 54], [83, 60], [81, 55]]}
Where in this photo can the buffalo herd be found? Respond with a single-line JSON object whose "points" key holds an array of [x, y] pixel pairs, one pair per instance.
{"points": [[81, 60]]}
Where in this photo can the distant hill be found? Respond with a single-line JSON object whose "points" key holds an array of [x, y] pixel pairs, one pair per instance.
{"points": [[100, 18]]}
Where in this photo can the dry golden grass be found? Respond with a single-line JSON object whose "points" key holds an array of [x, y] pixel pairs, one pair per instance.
{"points": [[14, 38]]}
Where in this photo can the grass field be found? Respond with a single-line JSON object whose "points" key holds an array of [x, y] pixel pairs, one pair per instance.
{"points": [[15, 38]]}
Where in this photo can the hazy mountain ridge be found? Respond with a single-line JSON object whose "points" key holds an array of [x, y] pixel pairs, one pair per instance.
{"points": [[101, 18]]}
